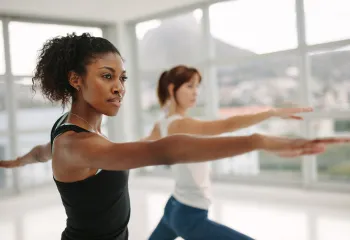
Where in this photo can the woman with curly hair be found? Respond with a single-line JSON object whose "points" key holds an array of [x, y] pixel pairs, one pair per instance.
{"points": [[91, 172]]}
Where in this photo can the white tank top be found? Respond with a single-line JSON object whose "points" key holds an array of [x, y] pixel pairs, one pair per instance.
{"points": [[192, 180]]}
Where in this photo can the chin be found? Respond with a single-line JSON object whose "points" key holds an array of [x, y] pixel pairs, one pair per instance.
{"points": [[111, 112]]}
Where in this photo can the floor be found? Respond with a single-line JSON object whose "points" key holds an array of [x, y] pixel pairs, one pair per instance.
{"points": [[264, 213]]}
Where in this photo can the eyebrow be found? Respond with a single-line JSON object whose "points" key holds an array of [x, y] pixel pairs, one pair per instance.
{"points": [[111, 69]]}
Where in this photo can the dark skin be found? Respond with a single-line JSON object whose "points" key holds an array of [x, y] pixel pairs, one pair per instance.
{"points": [[77, 156]]}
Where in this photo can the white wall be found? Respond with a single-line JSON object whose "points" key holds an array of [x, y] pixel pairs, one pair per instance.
{"points": [[90, 10]]}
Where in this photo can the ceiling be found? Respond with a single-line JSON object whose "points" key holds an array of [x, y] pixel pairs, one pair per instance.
{"points": [[89, 10]]}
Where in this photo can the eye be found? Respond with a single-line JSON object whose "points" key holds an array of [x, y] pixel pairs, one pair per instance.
{"points": [[107, 76], [124, 78]]}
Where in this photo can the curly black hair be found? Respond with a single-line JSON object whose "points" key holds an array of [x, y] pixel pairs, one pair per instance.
{"points": [[61, 55]]}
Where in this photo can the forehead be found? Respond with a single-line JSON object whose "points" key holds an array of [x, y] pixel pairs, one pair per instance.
{"points": [[111, 60], [195, 78]]}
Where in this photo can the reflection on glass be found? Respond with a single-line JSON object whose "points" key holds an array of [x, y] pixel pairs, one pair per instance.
{"points": [[251, 27], [24, 53], [334, 164], [326, 20], [330, 82]]}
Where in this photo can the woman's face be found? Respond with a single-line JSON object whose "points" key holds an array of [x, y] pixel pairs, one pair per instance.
{"points": [[187, 94], [103, 86]]}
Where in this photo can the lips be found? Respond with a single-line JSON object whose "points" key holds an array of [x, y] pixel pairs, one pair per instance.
{"points": [[116, 101]]}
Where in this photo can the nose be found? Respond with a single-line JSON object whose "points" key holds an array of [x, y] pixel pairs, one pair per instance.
{"points": [[119, 89]]}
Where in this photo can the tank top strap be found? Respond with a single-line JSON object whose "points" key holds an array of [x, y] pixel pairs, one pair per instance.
{"points": [[164, 124]]}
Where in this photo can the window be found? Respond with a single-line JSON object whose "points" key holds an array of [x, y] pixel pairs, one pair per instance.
{"points": [[268, 82], [33, 174], [334, 164], [171, 41], [252, 27], [326, 20], [6, 175], [260, 162], [330, 81], [3, 112], [2, 51], [24, 53]]}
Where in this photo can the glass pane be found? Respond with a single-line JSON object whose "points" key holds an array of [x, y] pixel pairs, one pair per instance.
{"points": [[171, 41], [330, 81], [3, 112], [6, 175], [326, 20], [37, 173], [262, 163], [269, 82], [2, 51], [334, 164], [250, 27], [24, 53], [33, 106]]}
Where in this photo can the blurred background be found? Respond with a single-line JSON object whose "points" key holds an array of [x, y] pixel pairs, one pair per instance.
{"points": [[251, 53]]}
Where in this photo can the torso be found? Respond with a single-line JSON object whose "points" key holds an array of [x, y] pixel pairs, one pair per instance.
{"points": [[192, 180]]}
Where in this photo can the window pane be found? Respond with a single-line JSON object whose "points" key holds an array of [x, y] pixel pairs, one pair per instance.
{"points": [[269, 82], [2, 51], [334, 164], [33, 106], [6, 175], [33, 174], [259, 162], [250, 27], [3, 112], [330, 82], [326, 20], [171, 41], [24, 53]]}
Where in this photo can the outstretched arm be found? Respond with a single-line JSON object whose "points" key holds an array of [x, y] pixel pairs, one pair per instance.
{"points": [[40, 153], [216, 127], [93, 151]]}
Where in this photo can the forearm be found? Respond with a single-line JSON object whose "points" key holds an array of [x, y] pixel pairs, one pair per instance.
{"points": [[40, 153], [238, 122], [187, 149]]}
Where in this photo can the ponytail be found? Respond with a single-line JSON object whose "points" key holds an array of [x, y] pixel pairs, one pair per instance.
{"points": [[162, 90]]}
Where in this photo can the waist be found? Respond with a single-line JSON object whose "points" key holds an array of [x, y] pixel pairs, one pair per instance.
{"points": [[72, 234]]}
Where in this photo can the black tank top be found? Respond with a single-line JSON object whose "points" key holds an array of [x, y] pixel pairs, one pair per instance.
{"points": [[97, 208]]}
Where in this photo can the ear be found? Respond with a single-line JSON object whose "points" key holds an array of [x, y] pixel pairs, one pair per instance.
{"points": [[74, 80], [171, 89]]}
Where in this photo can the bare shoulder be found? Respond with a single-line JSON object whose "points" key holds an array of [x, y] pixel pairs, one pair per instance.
{"points": [[182, 125]]}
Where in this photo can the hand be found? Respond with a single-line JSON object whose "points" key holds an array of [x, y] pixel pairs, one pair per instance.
{"points": [[289, 113], [10, 164], [289, 147]]}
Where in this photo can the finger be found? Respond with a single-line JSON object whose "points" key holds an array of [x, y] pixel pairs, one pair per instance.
{"points": [[297, 110], [296, 117], [313, 151], [331, 140]]}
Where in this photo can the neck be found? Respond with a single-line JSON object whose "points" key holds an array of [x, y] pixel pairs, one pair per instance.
{"points": [[92, 118], [175, 109]]}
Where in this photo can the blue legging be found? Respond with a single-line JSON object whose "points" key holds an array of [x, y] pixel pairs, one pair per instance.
{"points": [[180, 220]]}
